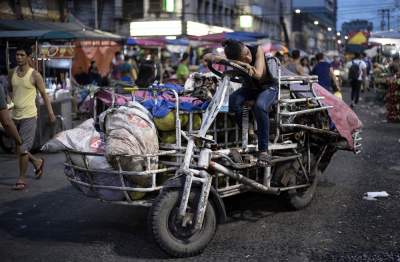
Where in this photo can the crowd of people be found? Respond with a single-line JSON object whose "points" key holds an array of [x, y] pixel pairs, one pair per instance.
{"points": [[359, 71]]}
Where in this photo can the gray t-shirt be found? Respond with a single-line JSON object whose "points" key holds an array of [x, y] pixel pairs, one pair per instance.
{"points": [[3, 101]]}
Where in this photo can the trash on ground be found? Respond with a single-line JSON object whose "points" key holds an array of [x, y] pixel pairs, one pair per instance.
{"points": [[374, 195]]}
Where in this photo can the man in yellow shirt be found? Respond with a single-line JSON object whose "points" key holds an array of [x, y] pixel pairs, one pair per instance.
{"points": [[24, 84]]}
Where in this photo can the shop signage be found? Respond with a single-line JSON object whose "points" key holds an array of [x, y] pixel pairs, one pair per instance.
{"points": [[54, 51]]}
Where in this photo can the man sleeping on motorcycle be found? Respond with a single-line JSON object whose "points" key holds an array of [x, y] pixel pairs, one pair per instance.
{"points": [[261, 89]]}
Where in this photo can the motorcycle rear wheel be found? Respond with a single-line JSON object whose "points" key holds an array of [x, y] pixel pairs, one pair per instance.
{"points": [[300, 198], [290, 174]]}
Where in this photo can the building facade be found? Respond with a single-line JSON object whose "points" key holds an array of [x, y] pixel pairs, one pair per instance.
{"points": [[314, 25], [55, 11], [269, 17]]}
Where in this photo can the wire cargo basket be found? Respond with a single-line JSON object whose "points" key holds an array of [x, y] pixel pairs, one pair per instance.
{"points": [[116, 185]]}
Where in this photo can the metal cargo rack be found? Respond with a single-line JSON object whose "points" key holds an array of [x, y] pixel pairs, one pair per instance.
{"points": [[153, 175]]}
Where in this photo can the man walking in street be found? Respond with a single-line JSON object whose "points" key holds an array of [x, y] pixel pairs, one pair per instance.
{"points": [[294, 65], [325, 74], [367, 81], [357, 74], [24, 84]]}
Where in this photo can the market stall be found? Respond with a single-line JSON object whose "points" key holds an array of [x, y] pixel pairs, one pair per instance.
{"points": [[57, 50]]}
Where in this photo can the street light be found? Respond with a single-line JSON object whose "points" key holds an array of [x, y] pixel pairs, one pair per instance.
{"points": [[329, 29], [338, 33], [346, 37], [246, 21], [297, 11], [339, 41], [316, 22]]}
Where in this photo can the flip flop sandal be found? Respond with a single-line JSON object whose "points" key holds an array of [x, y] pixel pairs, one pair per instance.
{"points": [[19, 186], [39, 171]]}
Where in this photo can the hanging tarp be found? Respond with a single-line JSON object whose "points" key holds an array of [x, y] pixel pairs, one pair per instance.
{"points": [[274, 47], [147, 42], [43, 30], [102, 52], [239, 36]]}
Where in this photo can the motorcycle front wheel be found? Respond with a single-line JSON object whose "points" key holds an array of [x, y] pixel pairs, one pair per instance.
{"points": [[167, 229]]}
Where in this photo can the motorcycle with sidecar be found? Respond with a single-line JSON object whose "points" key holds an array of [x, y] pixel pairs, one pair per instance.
{"points": [[218, 161]]}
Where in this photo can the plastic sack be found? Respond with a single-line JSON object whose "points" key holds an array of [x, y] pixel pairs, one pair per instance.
{"points": [[81, 138], [129, 131]]}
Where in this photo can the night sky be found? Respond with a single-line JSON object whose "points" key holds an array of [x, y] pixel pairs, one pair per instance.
{"points": [[367, 9]]}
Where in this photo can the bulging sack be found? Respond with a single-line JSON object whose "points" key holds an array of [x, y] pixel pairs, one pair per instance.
{"points": [[129, 131]]}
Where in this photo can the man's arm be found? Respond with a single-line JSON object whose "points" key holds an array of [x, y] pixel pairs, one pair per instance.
{"points": [[260, 67], [39, 83], [213, 58], [258, 70], [364, 70], [333, 77], [300, 70]]}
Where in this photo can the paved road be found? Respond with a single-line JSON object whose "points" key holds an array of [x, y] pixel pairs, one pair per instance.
{"points": [[52, 222]]}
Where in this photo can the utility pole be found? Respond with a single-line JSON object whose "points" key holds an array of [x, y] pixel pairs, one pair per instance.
{"points": [[184, 27], [385, 14], [96, 14]]}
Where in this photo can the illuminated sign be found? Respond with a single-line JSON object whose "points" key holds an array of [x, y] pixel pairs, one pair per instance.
{"points": [[246, 21], [173, 28]]}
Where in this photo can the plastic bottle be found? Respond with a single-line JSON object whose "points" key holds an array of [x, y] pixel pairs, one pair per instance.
{"points": [[67, 82]]}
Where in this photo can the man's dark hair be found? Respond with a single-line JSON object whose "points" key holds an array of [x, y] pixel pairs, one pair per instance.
{"points": [[304, 58], [146, 74], [279, 55], [26, 48], [357, 55], [295, 54], [184, 56], [319, 56], [232, 49]]}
